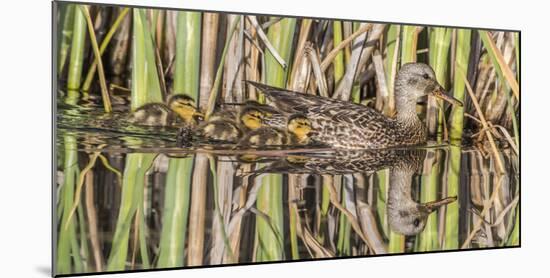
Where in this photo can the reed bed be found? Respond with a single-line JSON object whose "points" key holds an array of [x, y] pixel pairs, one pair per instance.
{"points": [[197, 210]]}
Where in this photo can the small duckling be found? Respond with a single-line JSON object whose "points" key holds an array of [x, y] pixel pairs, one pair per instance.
{"points": [[271, 116], [180, 108], [251, 118], [226, 126], [220, 130], [299, 129], [297, 133]]}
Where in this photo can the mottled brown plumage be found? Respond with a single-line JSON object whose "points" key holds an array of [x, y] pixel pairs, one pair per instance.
{"points": [[347, 125]]}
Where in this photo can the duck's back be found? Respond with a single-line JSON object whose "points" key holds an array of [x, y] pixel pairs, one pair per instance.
{"points": [[152, 114], [346, 125]]}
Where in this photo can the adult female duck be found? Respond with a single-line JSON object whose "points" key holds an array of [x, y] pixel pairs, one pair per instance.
{"points": [[346, 125]]}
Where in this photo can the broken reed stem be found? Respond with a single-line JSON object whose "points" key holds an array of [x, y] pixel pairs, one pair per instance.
{"points": [[217, 80], [92, 220], [314, 59], [80, 184], [103, 47], [265, 40], [483, 122], [486, 207], [498, 58], [334, 52], [102, 80], [111, 168]]}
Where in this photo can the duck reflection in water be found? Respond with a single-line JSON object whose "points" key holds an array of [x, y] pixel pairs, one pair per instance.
{"points": [[405, 215]]}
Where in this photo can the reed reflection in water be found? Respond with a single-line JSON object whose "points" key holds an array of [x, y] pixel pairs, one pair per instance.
{"points": [[173, 207]]}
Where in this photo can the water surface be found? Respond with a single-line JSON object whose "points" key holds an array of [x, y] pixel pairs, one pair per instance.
{"points": [[142, 201]]}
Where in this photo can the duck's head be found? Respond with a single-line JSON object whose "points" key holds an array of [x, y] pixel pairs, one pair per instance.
{"points": [[185, 107], [411, 220], [300, 126], [415, 80], [252, 117]]}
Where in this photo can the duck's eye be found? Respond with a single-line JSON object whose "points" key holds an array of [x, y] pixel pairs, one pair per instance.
{"points": [[426, 76], [416, 222]]}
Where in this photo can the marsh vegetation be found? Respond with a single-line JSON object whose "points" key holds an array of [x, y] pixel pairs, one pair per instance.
{"points": [[130, 197]]}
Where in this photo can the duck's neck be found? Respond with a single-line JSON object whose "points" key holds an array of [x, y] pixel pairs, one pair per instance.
{"points": [[406, 115], [399, 194]]}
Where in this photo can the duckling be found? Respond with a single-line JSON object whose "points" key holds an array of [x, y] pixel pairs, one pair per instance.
{"points": [[228, 125], [180, 108], [297, 133], [299, 129], [220, 130]]}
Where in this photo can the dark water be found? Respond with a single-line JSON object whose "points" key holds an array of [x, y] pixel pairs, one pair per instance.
{"points": [[129, 198]]}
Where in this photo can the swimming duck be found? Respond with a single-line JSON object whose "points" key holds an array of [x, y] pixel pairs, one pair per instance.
{"points": [[180, 108], [347, 125]]}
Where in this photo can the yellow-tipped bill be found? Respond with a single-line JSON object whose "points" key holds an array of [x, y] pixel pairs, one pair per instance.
{"points": [[431, 206], [440, 93]]}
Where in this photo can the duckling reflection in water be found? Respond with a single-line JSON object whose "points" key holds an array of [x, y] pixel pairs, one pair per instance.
{"points": [[180, 108]]}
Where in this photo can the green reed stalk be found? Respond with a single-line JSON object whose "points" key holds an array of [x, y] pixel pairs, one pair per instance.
{"points": [[270, 202], [67, 246], [77, 52], [133, 186], [451, 239], [175, 212], [102, 81], [428, 239], [513, 239], [383, 182], [145, 81], [461, 65], [344, 231], [293, 215], [338, 62], [440, 42], [409, 37], [392, 55], [64, 36], [106, 40], [145, 89], [392, 37], [186, 80], [187, 64], [270, 196], [463, 39], [280, 35], [355, 89], [83, 233]]}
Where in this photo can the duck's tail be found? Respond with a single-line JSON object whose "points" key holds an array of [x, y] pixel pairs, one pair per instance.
{"points": [[287, 101]]}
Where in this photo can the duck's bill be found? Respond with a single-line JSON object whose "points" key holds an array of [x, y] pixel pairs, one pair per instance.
{"points": [[439, 93], [434, 205]]}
